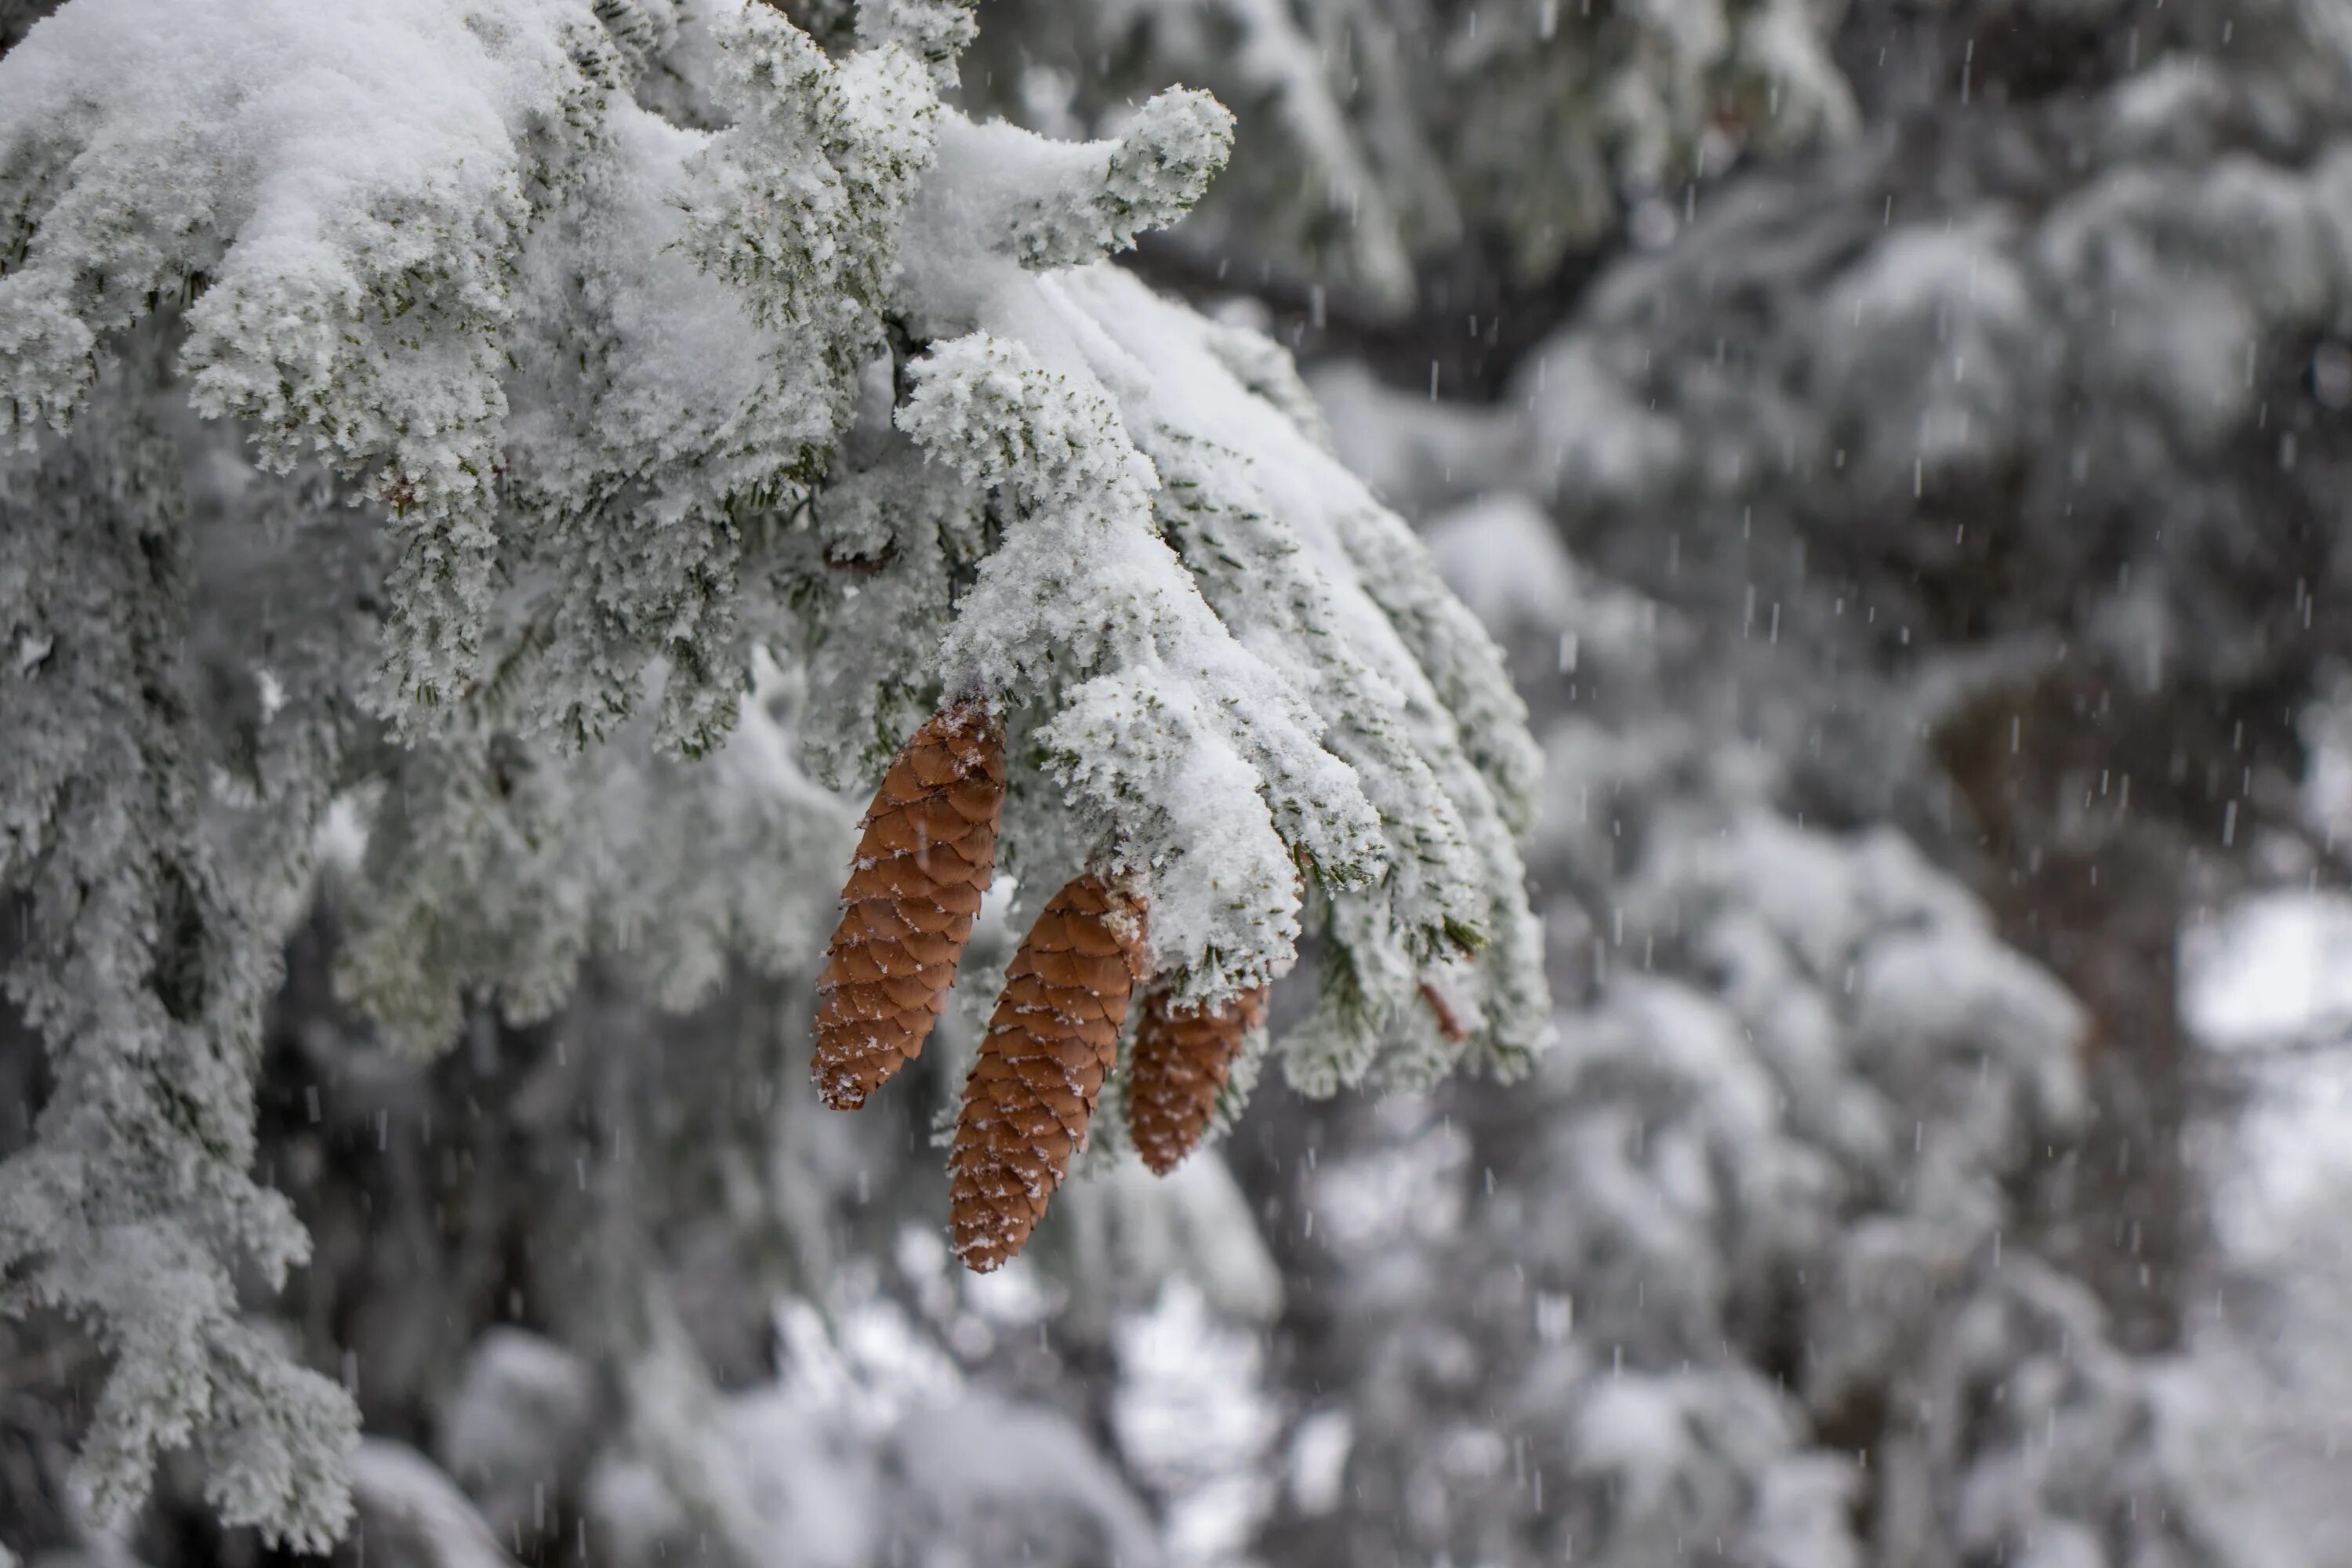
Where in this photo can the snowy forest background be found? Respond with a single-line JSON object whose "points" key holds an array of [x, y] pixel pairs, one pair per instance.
{"points": [[1902, 450]]}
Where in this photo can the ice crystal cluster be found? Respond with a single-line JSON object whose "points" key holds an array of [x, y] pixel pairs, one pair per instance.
{"points": [[561, 442]]}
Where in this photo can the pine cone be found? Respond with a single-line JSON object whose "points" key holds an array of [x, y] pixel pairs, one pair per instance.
{"points": [[1181, 1057], [1054, 1037], [925, 859]]}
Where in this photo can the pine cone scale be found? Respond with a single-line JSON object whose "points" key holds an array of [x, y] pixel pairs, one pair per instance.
{"points": [[931, 921], [976, 800]]}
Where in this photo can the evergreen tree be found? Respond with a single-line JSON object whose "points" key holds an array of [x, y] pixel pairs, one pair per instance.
{"points": [[553, 442], [494, 486]]}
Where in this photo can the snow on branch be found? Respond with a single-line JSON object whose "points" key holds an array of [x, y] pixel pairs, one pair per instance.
{"points": [[548, 428]]}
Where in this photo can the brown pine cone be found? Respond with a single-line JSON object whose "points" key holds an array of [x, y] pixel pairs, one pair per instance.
{"points": [[1054, 1037], [925, 859], [1181, 1057]]}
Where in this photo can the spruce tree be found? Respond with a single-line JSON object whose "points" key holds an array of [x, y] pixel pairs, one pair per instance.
{"points": [[558, 445]]}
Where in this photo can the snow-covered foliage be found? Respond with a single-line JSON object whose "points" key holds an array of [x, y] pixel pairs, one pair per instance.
{"points": [[145, 963], [599, 1309], [1304, 650], [516, 434], [1383, 134], [491, 482], [867, 1444], [2000, 455], [1795, 1313], [2064, 387], [414, 1516]]}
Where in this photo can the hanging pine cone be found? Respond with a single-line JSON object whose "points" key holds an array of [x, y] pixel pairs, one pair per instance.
{"points": [[926, 856], [1181, 1057], [1054, 1037]]}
